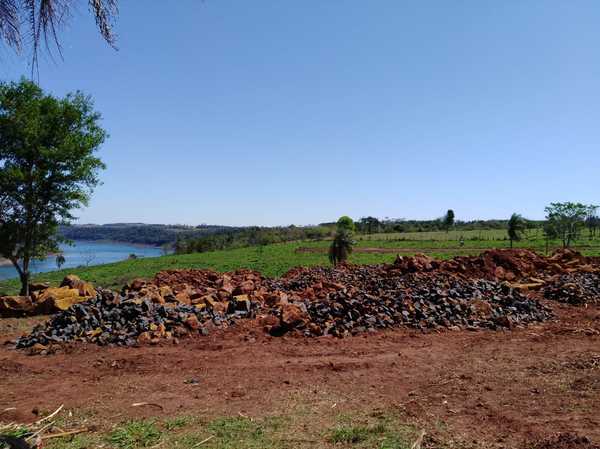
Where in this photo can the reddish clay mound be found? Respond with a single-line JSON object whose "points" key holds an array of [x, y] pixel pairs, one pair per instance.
{"points": [[503, 264]]}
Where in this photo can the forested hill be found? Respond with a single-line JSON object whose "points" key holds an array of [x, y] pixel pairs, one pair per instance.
{"points": [[149, 234]]}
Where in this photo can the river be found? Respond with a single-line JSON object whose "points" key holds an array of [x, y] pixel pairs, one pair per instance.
{"points": [[82, 253]]}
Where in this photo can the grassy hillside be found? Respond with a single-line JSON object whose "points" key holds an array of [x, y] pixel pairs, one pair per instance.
{"points": [[274, 260]]}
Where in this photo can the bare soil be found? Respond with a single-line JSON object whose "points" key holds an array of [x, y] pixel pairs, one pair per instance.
{"points": [[499, 389]]}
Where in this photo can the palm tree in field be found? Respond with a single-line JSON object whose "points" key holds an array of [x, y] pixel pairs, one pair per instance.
{"points": [[341, 247], [515, 228]]}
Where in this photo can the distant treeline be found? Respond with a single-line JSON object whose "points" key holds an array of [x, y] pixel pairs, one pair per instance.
{"points": [[188, 239], [140, 233], [372, 225], [251, 236], [256, 236]]}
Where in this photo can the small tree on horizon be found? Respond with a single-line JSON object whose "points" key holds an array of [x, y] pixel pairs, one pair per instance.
{"points": [[60, 260], [449, 220], [345, 222], [47, 169], [516, 227], [369, 225], [343, 242], [565, 221], [592, 221]]}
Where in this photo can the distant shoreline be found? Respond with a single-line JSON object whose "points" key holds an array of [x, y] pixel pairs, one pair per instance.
{"points": [[7, 263], [141, 245]]}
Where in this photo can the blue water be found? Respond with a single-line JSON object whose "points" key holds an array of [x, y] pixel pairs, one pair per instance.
{"points": [[83, 253]]}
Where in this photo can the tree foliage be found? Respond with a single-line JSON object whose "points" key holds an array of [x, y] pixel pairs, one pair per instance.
{"points": [[565, 221], [368, 225], [346, 223], [515, 228], [230, 238], [60, 260], [343, 241], [47, 168], [592, 221], [341, 247], [449, 219], [40, 21], [149, 234]]}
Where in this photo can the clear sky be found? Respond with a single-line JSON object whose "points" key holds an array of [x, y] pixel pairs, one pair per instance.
{"points": [[276, 112]]}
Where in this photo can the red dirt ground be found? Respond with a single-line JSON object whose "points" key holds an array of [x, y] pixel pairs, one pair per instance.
{"points": [[501, 388]]}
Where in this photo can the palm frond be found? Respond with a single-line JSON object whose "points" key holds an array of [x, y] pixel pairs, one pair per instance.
{"points": [[42, 20]]}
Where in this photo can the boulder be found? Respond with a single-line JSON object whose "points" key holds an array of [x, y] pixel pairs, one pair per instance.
{"points": [[85, 288], [240, 303], [166, 292], [192, 322], [15, 306], [183, 297], [58, 298], [293, 316], [137, 284], [244, 288], [482, 309]]}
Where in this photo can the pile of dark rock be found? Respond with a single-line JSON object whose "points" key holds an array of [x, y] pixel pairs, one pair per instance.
{"points": [[340, 301], [110, 318], [364, 298], [577, 288]]}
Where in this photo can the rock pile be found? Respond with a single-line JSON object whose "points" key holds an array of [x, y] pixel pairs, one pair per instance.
{"points": [[110, 318], [44, 299], [356, 299], [579, 288], [419, 292], [310, 301]]}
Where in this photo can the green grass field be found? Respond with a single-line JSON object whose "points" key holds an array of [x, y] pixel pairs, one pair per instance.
{"points": [[487, 235], [274, 260]]}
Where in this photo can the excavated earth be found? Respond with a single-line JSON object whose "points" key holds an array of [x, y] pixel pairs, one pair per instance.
{"points": [[507, 380]]}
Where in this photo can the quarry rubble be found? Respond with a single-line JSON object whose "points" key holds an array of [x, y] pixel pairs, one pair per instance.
{"points": [[490, 291]]}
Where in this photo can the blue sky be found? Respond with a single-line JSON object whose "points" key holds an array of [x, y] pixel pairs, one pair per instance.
{"points": [[273, 112]]}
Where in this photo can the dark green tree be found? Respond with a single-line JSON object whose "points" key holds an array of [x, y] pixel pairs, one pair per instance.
{"points": [[565, 221], [346, 223], [449, 220], [341, 247], [48, 168], [60, 260], [343, 241], [369, 225], [515, 228], [592, 221]]}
